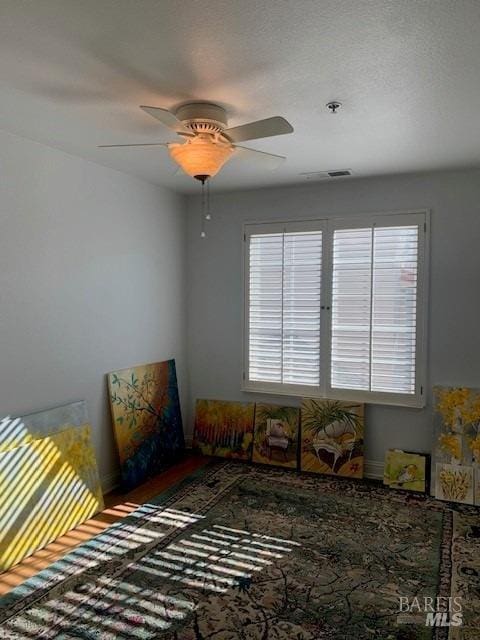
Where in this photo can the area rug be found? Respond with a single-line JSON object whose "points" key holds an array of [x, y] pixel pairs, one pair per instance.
{"points": [[237, 552]]}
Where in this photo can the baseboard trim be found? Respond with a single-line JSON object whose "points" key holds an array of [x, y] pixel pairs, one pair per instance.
{"points": [[373, 470], [109, 482]]}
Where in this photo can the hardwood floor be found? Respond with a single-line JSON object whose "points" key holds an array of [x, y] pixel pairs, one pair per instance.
{"points": [[117, 506]]}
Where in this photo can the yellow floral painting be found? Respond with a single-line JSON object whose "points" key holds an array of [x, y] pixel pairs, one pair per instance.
{"points": [[47, 486], [457, 442], [455, 483], [474, 444], [451, 444], [459, 407]]}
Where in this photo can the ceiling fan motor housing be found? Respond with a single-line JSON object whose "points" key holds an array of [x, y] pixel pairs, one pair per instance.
{"points": [[203, 117]]}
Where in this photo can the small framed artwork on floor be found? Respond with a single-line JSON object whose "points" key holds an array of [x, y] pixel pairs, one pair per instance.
{"points": [[275, 438], [406, 470], [454, 482]]}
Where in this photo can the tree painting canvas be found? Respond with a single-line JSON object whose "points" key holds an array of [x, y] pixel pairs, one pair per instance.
{"points": [[332, 437], [405, 470], [275, 439], [147, 421], [456, 442], [224, 429]]}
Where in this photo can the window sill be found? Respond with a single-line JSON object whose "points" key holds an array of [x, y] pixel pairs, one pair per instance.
{"points": [[294, 391]]}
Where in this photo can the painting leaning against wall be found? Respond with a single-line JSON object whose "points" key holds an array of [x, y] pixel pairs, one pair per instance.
{"points": [[146, 418], [406, 470], [456, 444], [332, 437], [56, 488], [22, 430], [224, 429], [275, 439]]}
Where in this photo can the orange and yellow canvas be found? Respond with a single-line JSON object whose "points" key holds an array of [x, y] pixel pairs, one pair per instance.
{"points": [[47, 486], [224, 429]]}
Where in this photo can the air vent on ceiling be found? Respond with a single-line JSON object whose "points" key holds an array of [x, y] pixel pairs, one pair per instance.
{"points": [[339, 173], [324, 175]]}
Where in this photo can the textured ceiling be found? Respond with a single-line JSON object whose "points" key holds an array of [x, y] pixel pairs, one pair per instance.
{"points": [[73, 72]]}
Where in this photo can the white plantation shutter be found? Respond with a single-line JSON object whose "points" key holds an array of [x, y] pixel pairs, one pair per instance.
{"points": [[284, 285], [374, 309], [351, 307], [394, 309], [265, 321], [302, 256], [359, 337]]}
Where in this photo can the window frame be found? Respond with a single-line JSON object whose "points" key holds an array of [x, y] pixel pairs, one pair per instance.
{"points": [[328, 225]]}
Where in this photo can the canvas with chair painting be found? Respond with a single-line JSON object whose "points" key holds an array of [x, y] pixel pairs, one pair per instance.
{"points": [[275, 440]]}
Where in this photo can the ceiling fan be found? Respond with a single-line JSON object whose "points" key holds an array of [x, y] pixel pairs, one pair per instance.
{"points": [[209, 142]]}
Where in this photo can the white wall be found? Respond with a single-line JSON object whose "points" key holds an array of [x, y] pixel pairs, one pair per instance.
{"points": [[92, 279], [215, 304]]}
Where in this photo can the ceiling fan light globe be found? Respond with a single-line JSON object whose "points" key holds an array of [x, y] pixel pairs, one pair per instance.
{"points": [[200, 156]]}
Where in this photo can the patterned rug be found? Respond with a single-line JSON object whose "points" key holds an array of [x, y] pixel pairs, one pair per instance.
{"points": [[237, 552]]}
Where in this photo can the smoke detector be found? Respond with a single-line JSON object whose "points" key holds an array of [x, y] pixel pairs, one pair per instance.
{"points": [[333, 106]]}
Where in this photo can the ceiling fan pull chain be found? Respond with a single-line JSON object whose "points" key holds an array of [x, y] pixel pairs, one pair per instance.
{"points": [[208, 213], [202, 227]]}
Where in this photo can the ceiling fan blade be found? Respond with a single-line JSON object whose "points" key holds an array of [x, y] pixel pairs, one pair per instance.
{"points": [[275, 126], [167, 118], [268, 161], [142, 144]]}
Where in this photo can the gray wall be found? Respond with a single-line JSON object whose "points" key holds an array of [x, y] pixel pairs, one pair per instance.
{"points": [[215, 303], [92, 279]]}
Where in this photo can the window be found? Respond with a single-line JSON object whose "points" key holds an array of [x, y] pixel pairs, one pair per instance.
{"points": [[335, 308]]}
